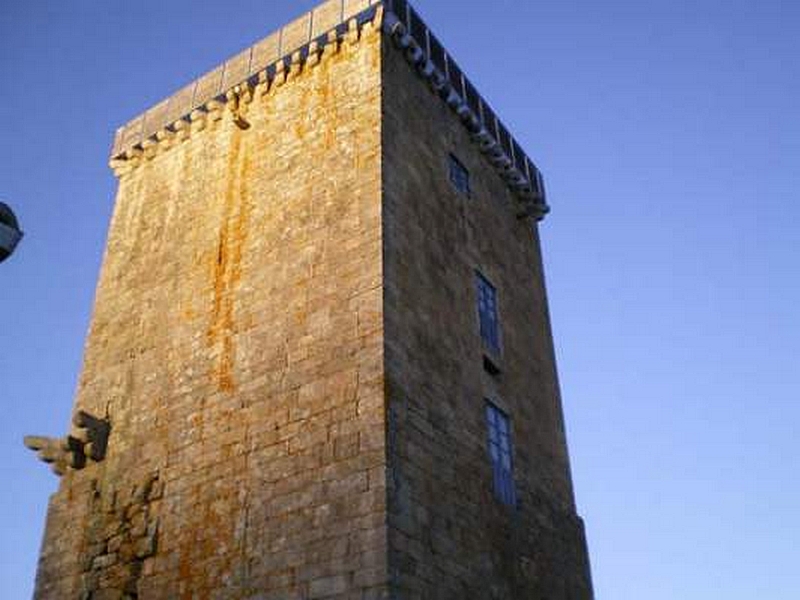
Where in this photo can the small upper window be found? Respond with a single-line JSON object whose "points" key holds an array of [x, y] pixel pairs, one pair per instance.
{"points": [[487, 312], [459, 176], [500, 452]]}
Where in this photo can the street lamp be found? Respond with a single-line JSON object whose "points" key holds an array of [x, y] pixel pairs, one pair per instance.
{"points": [[10, 234]]}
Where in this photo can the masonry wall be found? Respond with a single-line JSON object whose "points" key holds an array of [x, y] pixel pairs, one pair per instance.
{"points": [[285, 341], [237, 349], [448, 536]]}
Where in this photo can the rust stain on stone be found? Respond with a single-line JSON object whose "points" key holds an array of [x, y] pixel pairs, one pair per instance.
{"points": [[211, 536], [227, 267]]}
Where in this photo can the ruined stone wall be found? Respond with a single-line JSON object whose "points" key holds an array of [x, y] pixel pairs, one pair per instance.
{"points": [[449, 537], [236, 348]]}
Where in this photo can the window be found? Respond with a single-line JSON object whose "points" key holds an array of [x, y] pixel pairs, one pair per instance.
{"points": [[459, 176], [487, 312], [499, 429]]}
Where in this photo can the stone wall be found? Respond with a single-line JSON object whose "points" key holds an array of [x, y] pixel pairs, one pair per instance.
{"points": [[236, 348], [285, 348], [449, 537]]}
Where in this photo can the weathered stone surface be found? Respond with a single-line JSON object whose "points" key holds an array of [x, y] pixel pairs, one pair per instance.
{"points": [[285, 340], [237, 344], [448, 536]]}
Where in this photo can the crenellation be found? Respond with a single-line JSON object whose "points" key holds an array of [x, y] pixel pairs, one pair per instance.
{"points": [[281, 57], [264, 82], [266, 55]]}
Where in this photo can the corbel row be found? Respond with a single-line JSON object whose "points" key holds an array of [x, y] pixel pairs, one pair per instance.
{"points": [[528, 187], [235, 103]]}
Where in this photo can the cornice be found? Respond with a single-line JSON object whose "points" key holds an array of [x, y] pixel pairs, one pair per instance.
{"points": [[138, 142], [434, 64], [269, 64]]}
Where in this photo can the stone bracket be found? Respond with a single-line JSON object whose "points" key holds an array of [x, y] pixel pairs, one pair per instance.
{"points": [[237, 100]]}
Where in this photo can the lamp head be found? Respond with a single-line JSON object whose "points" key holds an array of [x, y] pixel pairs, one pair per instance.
{"points": [[10, 234]]}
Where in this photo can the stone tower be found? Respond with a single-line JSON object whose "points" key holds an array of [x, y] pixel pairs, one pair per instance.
{"points": [[320, 362]]}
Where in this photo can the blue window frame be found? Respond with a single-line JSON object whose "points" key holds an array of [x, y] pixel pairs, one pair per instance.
{"points": [[459, 175], [500, 452], [487, 311]]}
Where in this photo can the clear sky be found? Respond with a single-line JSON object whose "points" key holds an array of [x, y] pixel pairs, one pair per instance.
{"points": [[669, 134]]}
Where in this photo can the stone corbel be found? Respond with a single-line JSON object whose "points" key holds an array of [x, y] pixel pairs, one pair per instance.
{"points": [[215, 109], [94, 433], [197, 119], [150, 149], [280, 74], [534, 210], [471, 122], [262, 86], [238, 98], [515, 179], [331, 44], [415, 55], [182, 129], [464, 112], [391, 23], [375, 24], [426, 68], [485, 140], [134, 154], [296, 66], [438, 82], [120, 166], [313, 54], [165, 138], [454, 99], [353, 32], [377, 20]]}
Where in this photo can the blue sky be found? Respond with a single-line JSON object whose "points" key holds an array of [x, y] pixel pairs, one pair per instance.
{"points": [[669, 135]]}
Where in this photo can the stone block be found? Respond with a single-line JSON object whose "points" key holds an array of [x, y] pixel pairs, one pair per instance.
{"points": [[208, 86], [265, 53], [328, 586], [237, 69], [353, 8], [296, 34], [181, 103], [326, 16], [156, 118]]}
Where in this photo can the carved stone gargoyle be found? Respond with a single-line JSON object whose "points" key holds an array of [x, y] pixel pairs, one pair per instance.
{"points": [[88, 440]]}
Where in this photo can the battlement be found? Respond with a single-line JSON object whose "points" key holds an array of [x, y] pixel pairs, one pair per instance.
{"points": [[306, 36]]}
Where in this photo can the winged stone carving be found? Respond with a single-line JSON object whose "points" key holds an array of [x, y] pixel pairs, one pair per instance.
{"points": [[88, 441]]}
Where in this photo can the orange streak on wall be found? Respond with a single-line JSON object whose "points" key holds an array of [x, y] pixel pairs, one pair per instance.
{"points": [[227, 266]]}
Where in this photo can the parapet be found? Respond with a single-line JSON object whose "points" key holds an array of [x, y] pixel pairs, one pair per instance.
{"points": [[304, 37]]}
